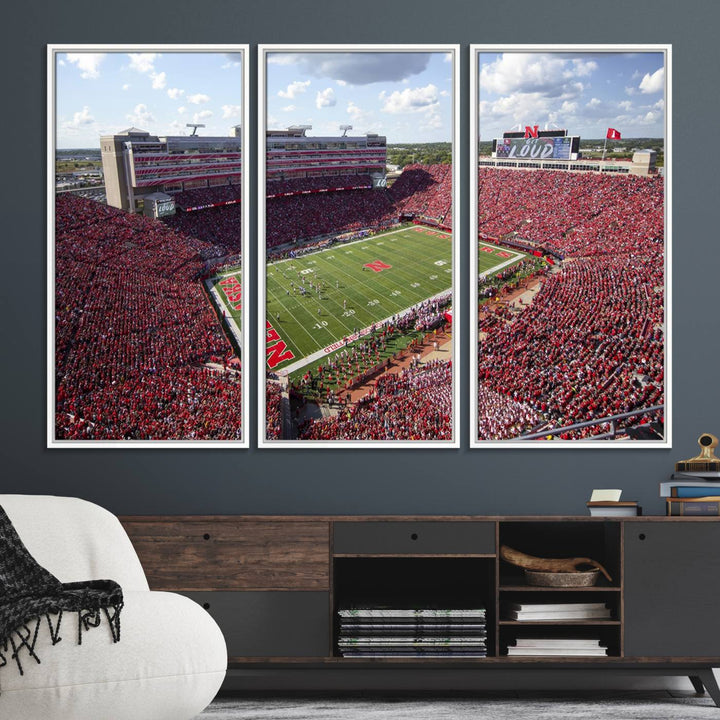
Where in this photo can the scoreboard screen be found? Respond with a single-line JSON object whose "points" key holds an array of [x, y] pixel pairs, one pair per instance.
{"points": [[165, 207], [540, 148]]}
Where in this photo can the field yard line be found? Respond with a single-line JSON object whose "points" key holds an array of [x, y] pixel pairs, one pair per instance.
{"points": [[362, 239], [294, 318], [484, 274], [373, 291], [234, 329], [355, 336]]}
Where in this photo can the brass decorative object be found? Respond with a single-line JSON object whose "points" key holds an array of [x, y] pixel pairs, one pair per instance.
{"points": [[705, 461], [551, 565]]}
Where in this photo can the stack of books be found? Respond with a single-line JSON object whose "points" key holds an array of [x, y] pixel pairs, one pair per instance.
{"points": [[426, 632], [692, 493], [533, 612], [610, 508], [567, 647]]}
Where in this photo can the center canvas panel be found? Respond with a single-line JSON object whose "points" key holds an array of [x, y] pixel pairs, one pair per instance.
{"points": [[357, 246]]}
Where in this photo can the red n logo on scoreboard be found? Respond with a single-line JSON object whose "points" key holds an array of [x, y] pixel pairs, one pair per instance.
{"points": [[531, 131], [377, 265]]}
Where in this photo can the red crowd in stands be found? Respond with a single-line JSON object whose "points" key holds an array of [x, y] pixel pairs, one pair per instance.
{"points": [[199, 197], [591, 342], [301, 217], [415, 404], [316, 184], [273, 414], [425, 190], [134, 331]]}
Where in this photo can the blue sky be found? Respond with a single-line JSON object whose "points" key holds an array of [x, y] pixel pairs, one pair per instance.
{"points": [[102, 93], [585, 93], [406, 96]]}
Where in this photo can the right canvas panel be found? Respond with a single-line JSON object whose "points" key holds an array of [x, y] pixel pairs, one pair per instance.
{"points": [[570, 251]]}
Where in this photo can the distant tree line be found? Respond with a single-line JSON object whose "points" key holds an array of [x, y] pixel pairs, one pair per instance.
{"points": [[402, 154]]}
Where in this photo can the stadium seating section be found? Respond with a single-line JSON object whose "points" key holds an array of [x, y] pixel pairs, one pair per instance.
{"points": [[591, 343], [134, 332]]}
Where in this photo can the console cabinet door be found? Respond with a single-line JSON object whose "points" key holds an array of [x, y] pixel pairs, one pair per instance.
{"points": [[270, 624], [672, 582]]}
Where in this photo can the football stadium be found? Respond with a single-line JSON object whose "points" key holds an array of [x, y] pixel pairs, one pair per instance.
{"points": [[575, 350], [141, 350], [359, 281]]}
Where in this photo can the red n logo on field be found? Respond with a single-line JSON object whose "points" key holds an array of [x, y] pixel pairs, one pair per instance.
{"points": [[278, 352], [531, 131], [377, 265]]}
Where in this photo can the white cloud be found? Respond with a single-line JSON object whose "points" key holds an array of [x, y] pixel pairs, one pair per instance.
{"points": [[175, 93], [630, 91], [341, 83], [198, 99], [289, 108], [410, 100], [549, 74], [141, 116], [143, 62], [294, 89], [625, 105], [126, 86], [325, 98], [234, 60], [201, 116], [594, 102], [159, 80], [653, 83], [231, 111], [80, 118], [355, 68], [659, 105], [182, 110], [87, 63]]}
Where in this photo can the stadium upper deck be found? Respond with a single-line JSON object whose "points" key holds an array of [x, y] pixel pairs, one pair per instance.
{"points": [[292, 155], [137, 164]]}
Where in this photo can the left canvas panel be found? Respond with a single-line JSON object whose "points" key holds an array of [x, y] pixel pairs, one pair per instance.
{"points": [[147, 228]]}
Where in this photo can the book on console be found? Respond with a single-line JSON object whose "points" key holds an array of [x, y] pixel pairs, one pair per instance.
{"points": [[537, 642], [554, 607], [608, 508], [707, 506], [556, 651], [688, 484], [598, 613]]}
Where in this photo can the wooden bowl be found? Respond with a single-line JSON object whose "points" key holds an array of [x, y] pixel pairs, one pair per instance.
{"points": [[584, 578]]}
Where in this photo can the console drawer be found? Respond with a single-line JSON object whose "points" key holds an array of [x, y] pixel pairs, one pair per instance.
{"points": [[410, 537], [237, 554]]}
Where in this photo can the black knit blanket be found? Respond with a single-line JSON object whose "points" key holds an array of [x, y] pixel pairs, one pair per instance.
{"points": [[29, 595]]}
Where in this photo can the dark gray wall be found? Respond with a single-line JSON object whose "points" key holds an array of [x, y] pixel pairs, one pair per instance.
{"points": [[548, 481]]}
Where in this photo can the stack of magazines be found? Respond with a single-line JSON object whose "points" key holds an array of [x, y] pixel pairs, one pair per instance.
{"points": [[566, 647], [425, 632]]}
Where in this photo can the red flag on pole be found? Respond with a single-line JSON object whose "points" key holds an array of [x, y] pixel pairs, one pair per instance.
{"points": [[613, 134]]}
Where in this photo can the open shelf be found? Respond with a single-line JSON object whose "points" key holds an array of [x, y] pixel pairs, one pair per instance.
{"points": [[412, 583]]}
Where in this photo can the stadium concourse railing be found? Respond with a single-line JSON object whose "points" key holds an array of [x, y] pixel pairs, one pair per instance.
{"points": [[612, 419]]}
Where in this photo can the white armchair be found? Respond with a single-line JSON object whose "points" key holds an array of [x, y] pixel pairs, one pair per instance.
{"points": [[171, 658]]}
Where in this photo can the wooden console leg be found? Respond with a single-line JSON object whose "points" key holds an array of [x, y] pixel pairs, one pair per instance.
{"points": [[708, 680], [697, 684]]}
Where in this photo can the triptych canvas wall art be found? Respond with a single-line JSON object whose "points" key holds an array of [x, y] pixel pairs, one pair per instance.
{"points": [[359, 246]]}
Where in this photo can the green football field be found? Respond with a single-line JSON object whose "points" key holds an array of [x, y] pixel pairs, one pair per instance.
{"points": [[494, 258], [362, 283]]}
